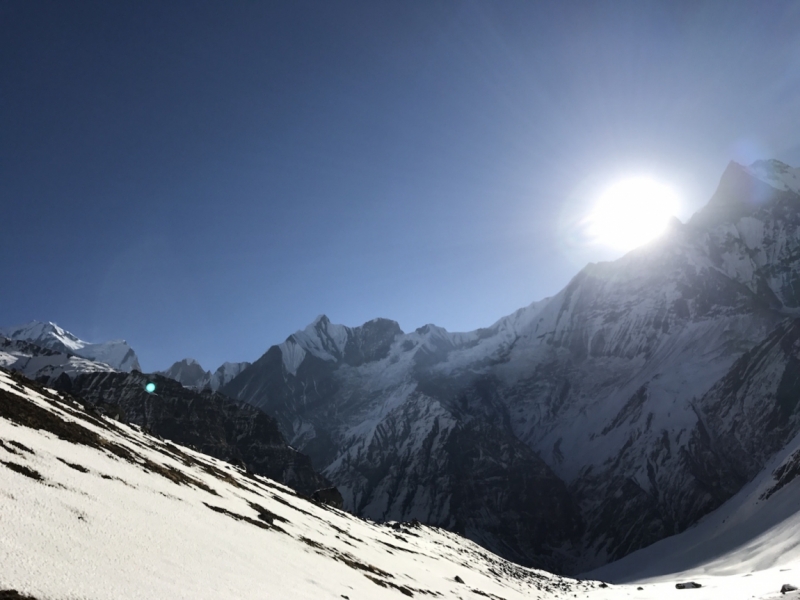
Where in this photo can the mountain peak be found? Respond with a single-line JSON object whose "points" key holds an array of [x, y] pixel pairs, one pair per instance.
{"points": [[321, 319], [188, 373], [334, 343], [744, 190]]}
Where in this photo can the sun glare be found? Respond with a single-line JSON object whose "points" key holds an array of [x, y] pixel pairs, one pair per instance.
{"points": [[631, 213]]}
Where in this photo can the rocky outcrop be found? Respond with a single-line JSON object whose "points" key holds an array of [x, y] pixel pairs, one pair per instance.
{"points": [[330, 496]]}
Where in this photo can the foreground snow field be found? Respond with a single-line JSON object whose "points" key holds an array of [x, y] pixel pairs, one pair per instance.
{"points": [[91, 508]]}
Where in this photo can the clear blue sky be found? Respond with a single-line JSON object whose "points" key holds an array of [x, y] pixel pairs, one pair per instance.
{"points": [[204, 178]]}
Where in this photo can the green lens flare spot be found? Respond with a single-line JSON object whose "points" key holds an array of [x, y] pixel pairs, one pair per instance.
{"points": [[150, 387]]}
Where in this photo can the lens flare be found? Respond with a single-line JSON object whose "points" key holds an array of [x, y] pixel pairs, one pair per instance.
{"points": [[150, 387]]}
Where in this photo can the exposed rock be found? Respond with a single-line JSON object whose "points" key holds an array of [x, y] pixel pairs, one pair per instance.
{"points": [[329, 496], [689, 585]]}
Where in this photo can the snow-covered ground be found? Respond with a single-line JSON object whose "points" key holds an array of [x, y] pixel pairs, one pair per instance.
{"points": [[91, 508]]}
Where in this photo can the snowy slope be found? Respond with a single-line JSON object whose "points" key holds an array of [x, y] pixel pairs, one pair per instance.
{"points": [[117, 354], [95, 509]]}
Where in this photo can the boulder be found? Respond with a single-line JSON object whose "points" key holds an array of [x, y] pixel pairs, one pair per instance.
{"points": [[330, 496], [689, 585]]}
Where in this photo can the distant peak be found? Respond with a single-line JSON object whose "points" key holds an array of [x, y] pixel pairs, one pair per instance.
{"points": [[430, 328]]}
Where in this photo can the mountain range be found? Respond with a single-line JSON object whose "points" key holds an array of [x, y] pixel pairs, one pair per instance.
{"points": [[96, 508], [579, 429]]}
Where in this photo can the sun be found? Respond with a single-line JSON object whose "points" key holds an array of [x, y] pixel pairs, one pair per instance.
{"points": [[631, 212]]}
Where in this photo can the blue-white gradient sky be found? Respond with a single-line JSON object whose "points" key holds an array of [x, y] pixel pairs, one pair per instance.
{"points": [[204, 178]]}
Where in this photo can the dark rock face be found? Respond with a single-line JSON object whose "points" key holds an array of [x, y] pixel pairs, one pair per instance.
{"points": [[496, 481], [209, 422], [751, 413], [370, 342], [329, 496], [288, 397], [688, 585]]}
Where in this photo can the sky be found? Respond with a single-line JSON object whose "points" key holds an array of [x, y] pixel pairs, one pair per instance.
{"points": [[204, 178]]}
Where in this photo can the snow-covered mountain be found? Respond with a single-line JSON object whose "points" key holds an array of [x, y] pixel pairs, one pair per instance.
{"points": [[410, 450], [117, 354], [38, 362], [584, 426]]}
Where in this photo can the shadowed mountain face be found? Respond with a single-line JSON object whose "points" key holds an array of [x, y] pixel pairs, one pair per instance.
{"points": [[211, 423], [583, 426], [188, 373]]}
